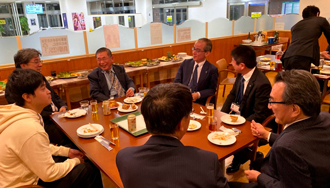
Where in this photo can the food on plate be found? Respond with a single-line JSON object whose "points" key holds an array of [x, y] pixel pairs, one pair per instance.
{"points": [[75, 74], [113, 104], [264, 59], [125, 106], [3, 84], [89, 130], [65, 74], [221, 137], [233, 118], [192, 126], [134, 106], [132, 99]]}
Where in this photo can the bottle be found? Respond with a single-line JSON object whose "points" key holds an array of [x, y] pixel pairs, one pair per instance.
{"points": [[278, 62], [279, 53]]}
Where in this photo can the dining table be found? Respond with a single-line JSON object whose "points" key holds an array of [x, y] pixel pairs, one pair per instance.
{"points": [[105, 160]]}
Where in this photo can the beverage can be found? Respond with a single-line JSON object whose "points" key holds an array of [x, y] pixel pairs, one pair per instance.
{"points": [[131, 121]]}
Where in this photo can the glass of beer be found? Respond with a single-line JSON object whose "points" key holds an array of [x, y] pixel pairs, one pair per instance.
{"points": [[210, 109], [272, 65], [212, 124], [94, 106], [114, 131]]}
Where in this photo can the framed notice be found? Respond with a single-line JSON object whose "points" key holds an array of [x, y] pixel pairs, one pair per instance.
{"points": [[54, 45], [184, 34], [156, 33]]}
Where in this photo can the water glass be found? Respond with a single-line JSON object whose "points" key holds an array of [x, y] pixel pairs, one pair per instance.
{"points": [[84, 105], [141, 91]]}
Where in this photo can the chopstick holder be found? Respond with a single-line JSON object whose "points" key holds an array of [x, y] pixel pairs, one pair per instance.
{"points": [[103, 143]]}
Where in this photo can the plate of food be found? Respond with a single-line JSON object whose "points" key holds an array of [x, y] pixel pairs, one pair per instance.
{"points": [[194, 125], [265, 59], [164, 58], [233, 119], [327, 62], [128, 108], [67, 75], [114, 104], [221, 138], [75, 113], [134, 99], [90, 130]]}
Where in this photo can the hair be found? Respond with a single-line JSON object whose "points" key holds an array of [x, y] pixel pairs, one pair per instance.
{"points": [[103, 49], [24, 56], [244, 54], [310, 11], [164, 107], [302, 89], [23, 81], [208, 46]]}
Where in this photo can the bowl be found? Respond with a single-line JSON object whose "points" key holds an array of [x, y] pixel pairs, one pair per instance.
{"points": [[182, 54], [247, 41]]}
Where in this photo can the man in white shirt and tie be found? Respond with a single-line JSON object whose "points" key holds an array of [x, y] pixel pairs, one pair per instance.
{"points": [[198, 74]]}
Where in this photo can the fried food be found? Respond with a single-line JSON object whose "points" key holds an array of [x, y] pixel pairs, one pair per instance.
{"points": [[125, 106], [133, 106], [192, 126], [221, 137], [234, 118], [113, 104]]}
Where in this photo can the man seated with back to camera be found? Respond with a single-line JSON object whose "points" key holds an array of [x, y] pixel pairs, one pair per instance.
{"points": [[109, 80], [249, 96], [25, 150], [299, 156], [163, 161], [29, 58]]}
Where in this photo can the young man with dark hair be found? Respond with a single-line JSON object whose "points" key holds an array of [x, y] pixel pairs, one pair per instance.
{"points": [[304, 48], [25, 150], [249, 95], [109, 80], [299, 156], [197, 73], [29, 58], [163, 161]]}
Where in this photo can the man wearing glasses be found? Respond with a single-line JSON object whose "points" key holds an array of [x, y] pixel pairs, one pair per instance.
{"points": [[109, 80], [198, 74], [299, 156], [29, 58]]}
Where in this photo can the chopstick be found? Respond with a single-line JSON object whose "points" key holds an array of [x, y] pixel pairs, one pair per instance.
{"points": [[230, 112], [93, 127], [202, 109]]}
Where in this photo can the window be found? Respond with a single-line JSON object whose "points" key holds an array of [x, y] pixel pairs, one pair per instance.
{"points": [[290, 7], [121, 20], [236, 11]]}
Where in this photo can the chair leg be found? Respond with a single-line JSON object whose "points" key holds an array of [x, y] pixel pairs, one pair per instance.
{"points": [[224, 89]]}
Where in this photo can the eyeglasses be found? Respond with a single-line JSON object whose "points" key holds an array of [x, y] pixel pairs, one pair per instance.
{"points": [[197, 50], [102, 59], [273, 102]]}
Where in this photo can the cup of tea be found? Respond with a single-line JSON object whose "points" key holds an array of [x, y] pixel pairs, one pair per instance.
{"points": [[114, 131], [94, 107]]}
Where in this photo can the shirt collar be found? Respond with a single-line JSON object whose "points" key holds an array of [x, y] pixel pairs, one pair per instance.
{"points": [[248, 75], [200, 64], [110, 71], [287, 125]]}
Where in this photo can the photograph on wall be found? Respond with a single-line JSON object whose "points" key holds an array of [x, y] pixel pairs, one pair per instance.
{"points": [[54, 45], [65, 21], [97, 22], [78, 21], [33, 21]]}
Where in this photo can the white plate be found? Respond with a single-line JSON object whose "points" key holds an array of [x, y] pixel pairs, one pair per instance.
{"points": [[226, 119], [81, 133], [324, 72], [116, 106], [198, 125], [120, 109], [131, 100], [75, 113], [231, 139]]}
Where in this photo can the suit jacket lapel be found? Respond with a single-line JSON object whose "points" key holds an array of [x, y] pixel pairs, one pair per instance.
{"points": [[103, 83], [204, 73], [249, 87], [189, 72]]}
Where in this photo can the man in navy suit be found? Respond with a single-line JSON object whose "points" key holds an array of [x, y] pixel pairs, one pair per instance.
{"points": [[199, 74], [163, 161], [109, 80], [299, 156]]}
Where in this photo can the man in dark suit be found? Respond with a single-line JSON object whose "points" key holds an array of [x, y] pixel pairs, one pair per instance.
{"points": [[163, 161], [299, 156], [304, 48], [29, 58], [249, 95], [109, 80], [198, 74]]}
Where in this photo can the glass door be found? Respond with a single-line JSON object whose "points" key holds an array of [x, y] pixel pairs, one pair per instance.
{"points": [[169, 16]]}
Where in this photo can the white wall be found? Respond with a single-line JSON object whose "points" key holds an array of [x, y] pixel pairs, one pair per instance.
{"points": [[208, 11], [145, 8], [323, 5], [72, 6], [33, 28]]}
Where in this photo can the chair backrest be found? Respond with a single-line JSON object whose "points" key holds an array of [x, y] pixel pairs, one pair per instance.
{"points": [[271, 119], [222, 65]]}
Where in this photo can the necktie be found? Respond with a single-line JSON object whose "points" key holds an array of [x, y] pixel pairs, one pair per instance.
{"points": [[240, 92], [193, 82]]}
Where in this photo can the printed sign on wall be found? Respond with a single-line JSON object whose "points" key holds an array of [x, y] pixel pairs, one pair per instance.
{"points": [[111, 36], [156, 33], [184, 34], [54, 45]]}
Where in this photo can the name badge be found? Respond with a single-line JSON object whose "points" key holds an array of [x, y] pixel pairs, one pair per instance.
{"points": [[234, 107]]}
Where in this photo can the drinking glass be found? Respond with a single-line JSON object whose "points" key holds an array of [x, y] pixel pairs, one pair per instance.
{"points": [[146, 90], [141, 91], [210, 109], [272, 65], [212, 124], [94, 106], [114, 131], [106, 108], [84, 104]]}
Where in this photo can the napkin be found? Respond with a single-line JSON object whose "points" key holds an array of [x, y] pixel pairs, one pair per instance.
{"points": [[103, 142], [197, 116], [230, 131]]}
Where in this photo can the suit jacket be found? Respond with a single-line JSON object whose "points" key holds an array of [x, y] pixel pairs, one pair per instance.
{"points": [[305, 38], [299, 156], [99, 89], [47, 111], [208, 79], [254, 105], [164, 161]]}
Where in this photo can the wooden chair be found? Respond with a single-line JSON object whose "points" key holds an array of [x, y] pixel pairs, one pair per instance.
{"points": [[326, 98], [269, 119], [222, 79], [31, 186]]}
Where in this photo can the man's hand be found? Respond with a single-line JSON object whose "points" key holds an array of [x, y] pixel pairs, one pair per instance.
{"points": [[195, 96], [129, 93], [73, 153], [62, 109], [325, 54], [252, 175], [258, 130]]}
